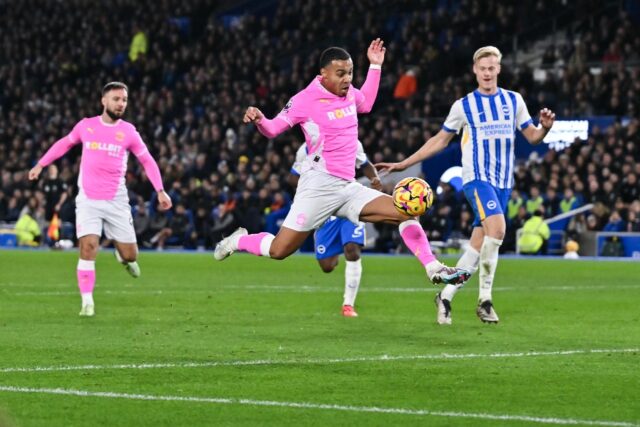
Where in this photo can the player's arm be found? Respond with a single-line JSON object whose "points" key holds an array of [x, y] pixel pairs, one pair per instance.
{"points": [[139, 149], [433, 146], [535, 134], [366, 96], [57, 150], [267, 127], [372, 173]]}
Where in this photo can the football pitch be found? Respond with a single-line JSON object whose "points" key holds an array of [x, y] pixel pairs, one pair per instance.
{"points": [[251, 341]]}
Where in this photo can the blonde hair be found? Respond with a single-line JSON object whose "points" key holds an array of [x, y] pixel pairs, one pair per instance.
{"points": [[485, 51]]}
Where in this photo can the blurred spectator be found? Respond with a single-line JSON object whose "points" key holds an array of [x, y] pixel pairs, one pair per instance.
{"points": [[513, 205], [142, 224], [615, 224], [177, 230], [224, 221], [407, 85], [27, 228], [535, 200], [535, 234], [139, 44]]}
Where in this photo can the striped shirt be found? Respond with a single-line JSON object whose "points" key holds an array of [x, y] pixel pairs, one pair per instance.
{"points": [[489, 123]]}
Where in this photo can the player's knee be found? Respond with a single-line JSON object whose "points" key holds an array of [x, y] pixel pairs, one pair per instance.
{"points": [[88, 250], [128, 257], [277, 253], [327, 268], [352, 252], [497, 234]]}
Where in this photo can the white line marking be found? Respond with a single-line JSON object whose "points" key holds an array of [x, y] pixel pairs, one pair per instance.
{"points": [[309, 289], [308, 405], [381, 358]]}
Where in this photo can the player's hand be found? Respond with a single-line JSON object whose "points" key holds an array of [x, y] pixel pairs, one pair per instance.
{"points": [[164, 201], [376, 183], [389, 167], [547, 117], [252, 115], [34, 173], [376, 51]]}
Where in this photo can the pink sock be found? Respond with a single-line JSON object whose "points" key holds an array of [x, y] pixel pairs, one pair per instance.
{"points": [[416, 240], [86, 276], [257, 244]]}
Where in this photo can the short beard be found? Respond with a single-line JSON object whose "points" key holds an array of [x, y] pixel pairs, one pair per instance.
{"points": [[112, 115]]}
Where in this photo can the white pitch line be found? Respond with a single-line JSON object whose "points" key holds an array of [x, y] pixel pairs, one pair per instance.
{"points": [[322, 406], [380, 358], [308, 289]]}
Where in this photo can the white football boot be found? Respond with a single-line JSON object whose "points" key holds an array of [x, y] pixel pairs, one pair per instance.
{"points": [[444, 310], [87, 310], [132, 267], [486, 313], [229, 244]]}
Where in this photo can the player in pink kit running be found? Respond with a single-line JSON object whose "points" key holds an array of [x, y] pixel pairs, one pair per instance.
{"points": [[326, 110], [102, 199]]}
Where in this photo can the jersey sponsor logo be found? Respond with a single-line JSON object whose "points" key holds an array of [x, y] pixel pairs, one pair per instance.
{"points": [[111, 149], [341, 113], [491, 204], [496, 129]]}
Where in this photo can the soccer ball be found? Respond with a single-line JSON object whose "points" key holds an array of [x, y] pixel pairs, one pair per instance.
{"points": [[412, 196]]}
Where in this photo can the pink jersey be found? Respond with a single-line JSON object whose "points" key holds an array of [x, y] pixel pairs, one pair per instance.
{"points": [[329, 123], [105, 150]]}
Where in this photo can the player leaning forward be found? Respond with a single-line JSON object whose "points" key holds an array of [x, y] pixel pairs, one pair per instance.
{"points": [[327, 111], [102, 199], [488, 117]]}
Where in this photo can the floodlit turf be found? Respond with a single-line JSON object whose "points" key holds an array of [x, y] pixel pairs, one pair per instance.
{"points": [[251, 341]]}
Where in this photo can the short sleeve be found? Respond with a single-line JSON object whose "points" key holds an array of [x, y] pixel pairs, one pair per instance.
{"points": [[523, 118], [456, 118]]}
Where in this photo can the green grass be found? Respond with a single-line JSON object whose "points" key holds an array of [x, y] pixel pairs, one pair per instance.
{"points": [[190, 309]]}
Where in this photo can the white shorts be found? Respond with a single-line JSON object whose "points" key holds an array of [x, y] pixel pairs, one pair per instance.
{"points": [[320, 195], [114, 216]]}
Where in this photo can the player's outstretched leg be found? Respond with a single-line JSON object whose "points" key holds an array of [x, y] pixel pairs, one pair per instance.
{"points": [[229, 244], [416, 240], [86, 273], [132, 267]]}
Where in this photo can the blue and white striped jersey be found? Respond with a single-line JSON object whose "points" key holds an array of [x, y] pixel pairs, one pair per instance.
{"points": [[489, 123]]}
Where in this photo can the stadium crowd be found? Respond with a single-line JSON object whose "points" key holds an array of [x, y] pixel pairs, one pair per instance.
{"points": [[193, 69]]}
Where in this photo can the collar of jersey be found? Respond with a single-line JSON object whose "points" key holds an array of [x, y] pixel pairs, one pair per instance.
{"points": [[477, 92], [109, 124]]}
